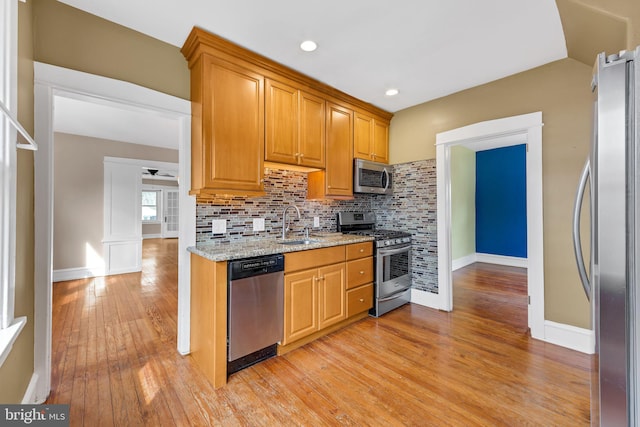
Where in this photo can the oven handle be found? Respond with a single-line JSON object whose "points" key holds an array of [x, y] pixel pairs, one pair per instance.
{"points": [[384, 252], [394, 296]]}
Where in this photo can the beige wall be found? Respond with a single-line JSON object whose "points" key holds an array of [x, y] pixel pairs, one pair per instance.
{"points": [[74, 39], [78, 192], [626, 9], [16, 371], [561, 90], [463, 202]]}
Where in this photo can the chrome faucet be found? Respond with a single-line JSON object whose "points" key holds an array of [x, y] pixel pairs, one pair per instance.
{"points": [[285, 226]]}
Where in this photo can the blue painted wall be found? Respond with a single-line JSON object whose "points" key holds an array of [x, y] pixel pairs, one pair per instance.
{"points": [[501, 201]]}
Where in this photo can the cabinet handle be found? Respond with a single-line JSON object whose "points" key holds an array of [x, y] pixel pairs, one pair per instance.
{"points": [[301, 154], [321, 278], [361, 250], [361, 299], [297, 154], [361, 272]]}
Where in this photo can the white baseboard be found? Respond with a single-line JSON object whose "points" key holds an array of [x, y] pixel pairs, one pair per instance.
{"points": [[30, 394], [463, 262], [425, 298], [152, 236], [568, 336], [511, 261], [77, 273]]}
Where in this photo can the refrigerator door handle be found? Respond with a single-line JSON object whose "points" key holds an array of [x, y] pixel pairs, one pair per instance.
{"points": [[577, 244]]}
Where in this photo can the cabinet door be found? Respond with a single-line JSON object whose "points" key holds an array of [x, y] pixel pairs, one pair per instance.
{"points": [[332, 285], [312, 130], [300, 305], [281, 123], [233, 127], [363, 137], [380, 141], [339, 169]]}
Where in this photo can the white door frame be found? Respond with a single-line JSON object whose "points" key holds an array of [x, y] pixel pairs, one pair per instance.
{"points": [[523, 129], [50, 82]]}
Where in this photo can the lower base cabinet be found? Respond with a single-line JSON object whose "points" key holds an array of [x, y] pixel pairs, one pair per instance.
{"points": [[316, 295]]}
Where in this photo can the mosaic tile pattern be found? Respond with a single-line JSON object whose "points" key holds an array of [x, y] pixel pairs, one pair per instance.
{"points": [[412, 208], [282, 188]]}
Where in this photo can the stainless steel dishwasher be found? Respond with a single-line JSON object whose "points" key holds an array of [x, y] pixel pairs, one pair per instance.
{"points": [[255, 310]]}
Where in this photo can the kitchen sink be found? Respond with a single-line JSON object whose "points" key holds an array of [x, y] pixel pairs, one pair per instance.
{"points": [[297, 242]]}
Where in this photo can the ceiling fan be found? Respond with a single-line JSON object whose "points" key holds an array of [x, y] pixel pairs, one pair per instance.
{"points": [[154, 172]]}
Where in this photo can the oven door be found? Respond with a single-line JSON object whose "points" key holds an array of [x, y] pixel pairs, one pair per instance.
{"points": [[393, 270]]}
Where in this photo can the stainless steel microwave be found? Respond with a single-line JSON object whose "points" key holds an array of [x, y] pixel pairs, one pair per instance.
{"points": [[372, 177]]}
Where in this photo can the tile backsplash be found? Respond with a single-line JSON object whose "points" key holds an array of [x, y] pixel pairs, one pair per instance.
{"points": [[411, 208], [282, 188]]}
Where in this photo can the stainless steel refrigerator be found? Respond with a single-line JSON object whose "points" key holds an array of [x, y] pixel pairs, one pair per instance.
{"points": [[611, 282]]}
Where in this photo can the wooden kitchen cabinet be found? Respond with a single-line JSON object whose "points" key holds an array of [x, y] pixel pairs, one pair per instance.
{"points": [[336, 181], [332, 286], [238, 122], [313, 300], [325, 289], [295, 126], [371, 138], [227, 137], [359, 278], [208, 318], [300, 305]]}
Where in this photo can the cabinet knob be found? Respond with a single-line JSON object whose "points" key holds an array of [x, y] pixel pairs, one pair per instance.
{"points": [[361, 250], [297, 154], [301, 154], [321, 278], [361, 272], [361, 299]]}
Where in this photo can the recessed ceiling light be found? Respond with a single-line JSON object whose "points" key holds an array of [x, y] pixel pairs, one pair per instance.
{"points": [[308, 46], [391, 92]]}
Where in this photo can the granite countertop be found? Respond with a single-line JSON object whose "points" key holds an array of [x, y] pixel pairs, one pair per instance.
{"points": [[268, 246]]}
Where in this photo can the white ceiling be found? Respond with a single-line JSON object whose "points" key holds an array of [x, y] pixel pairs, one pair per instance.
{"points": [[114, 122], [425, 48]]}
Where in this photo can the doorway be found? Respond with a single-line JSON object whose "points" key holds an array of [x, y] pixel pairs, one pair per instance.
{"points": [[524, 129], [53, 83]]}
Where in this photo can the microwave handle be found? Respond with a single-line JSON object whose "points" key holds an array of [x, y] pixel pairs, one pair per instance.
{"points": [[385, 178]]}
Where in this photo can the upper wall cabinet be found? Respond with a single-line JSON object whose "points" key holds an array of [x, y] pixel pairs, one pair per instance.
{"points": [[247, 109], [336, 181], [371, 138], [295, 126]]}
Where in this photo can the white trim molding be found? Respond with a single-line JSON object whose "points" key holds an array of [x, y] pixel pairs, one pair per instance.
{"points": [[426, 299], [65, 274], [579, 339], [510, 261], [29, 397], [523, 129], [9, 335], [52, 82], [464, 261]]}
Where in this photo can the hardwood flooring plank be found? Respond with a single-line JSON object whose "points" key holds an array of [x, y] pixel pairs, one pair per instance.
{"points": [[115, 361]]}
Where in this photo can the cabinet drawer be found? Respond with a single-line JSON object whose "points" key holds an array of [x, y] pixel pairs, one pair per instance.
{"points": [[359, 272], [359, 250], [359, 299], [313, 258]]}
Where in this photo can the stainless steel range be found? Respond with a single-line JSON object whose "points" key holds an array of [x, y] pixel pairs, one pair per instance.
{"points": [[392, 278]]}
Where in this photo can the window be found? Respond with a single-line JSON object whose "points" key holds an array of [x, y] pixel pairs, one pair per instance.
{"points": [[9, 327], [151, 206]]}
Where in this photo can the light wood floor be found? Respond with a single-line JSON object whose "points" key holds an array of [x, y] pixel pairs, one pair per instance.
{"points": [[115, 362]]}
